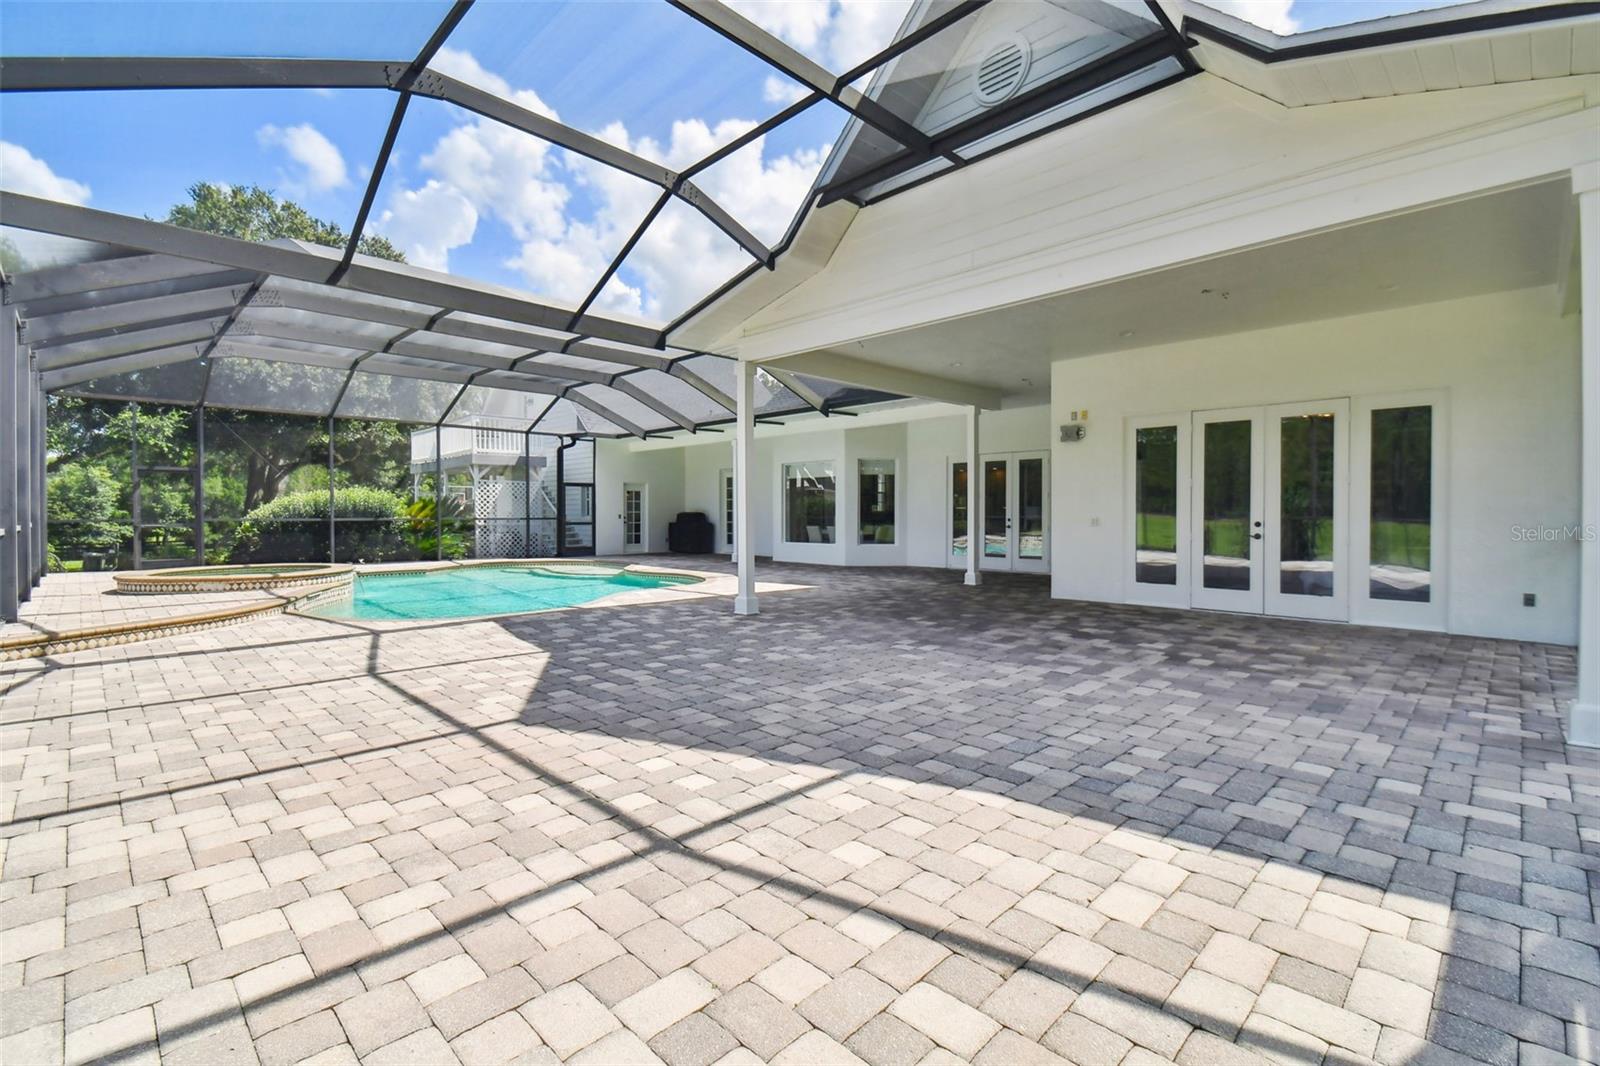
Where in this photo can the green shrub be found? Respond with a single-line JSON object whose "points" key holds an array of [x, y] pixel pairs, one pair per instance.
{"points": [[423, 530], [372, 527]]}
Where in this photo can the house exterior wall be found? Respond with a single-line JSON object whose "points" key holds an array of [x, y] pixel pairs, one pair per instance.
{"points": [[1507, 365], [616, 465], [922, 446], [1212, 169]]}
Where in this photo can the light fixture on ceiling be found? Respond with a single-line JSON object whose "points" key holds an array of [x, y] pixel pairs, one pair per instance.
{"points": [[955, 364], [1126, 333], [1388, 286]]}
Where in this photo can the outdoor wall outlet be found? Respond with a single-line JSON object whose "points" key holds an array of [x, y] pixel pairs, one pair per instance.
{"points": [[1071, 432], [1529, 600]]}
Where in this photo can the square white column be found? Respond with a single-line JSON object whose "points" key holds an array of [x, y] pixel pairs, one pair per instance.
{"points": [[974, 501], [744, 552], [1583, 717]]}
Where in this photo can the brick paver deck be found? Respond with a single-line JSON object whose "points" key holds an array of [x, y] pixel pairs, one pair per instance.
{"points": [[890, 819], [79, 601]]}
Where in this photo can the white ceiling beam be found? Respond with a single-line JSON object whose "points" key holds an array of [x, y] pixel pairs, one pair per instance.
{"points": [[851, 370]]}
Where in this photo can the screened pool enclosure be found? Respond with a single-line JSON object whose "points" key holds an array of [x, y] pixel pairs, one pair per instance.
{"points": [[539, 197]]}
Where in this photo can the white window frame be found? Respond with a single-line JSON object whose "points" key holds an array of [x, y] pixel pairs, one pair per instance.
{"points": [[1433, 615], [856, 515], [1135, 591], [783, 491]]}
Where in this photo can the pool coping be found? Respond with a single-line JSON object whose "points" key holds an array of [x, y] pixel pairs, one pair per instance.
{"points": [[189, 579], [51, 642]]}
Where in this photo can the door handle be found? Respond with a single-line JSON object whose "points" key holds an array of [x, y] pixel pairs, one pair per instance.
{"points": [[1255, 536]]}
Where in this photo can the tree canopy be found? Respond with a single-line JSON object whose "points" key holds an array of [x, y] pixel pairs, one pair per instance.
{"points": [[252, 213], [251, 455]]}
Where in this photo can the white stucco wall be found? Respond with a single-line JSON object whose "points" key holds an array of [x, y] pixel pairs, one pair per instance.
{"points": [[616, 465], [922, 445], [1508, 364]]}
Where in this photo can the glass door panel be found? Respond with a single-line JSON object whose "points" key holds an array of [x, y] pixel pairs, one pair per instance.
{"points": [[1155, 505], [1306, 475], [726, 488], [996, 513], [633, 518], [1030, 508], [1227, 555], [1305, 505]]}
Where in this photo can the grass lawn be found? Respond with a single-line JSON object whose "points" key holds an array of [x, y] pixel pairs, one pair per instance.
{"points": [[1397, 543]]}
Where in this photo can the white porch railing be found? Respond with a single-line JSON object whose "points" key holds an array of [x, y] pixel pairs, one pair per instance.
{"points": [[476, 443]]}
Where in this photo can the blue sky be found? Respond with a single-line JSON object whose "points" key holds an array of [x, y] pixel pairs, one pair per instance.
{"points": [[461, 193]]}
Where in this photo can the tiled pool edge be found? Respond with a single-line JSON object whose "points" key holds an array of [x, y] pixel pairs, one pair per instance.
{"points": [[154, 583], [51, 643]]}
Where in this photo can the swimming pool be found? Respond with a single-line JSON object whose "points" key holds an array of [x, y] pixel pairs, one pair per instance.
{"points": [[471, 591]]}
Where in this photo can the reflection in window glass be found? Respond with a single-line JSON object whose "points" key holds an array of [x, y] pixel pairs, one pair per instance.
{"points": [[1030, 508], [1225, 514], [808, 503], [1402, 504], [1305, 500], [1155, 506], [958, 509], [875, 490], [996, 522]]}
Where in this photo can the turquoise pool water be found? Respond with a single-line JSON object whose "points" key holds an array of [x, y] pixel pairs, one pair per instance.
{"points": [[481, 590]]}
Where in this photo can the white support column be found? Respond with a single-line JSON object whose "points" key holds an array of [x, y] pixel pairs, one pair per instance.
{"points": [[744, 551], [974, 500], [10, 521], [1583, 719]]}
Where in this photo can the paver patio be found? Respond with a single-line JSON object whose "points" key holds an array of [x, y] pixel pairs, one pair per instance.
{"points": [[890, 819]]}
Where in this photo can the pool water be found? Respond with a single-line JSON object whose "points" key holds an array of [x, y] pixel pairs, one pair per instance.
{"points": [[483, 590]]}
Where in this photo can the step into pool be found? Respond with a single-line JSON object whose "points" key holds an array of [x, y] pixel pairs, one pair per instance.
{"points": [[472, 591]]}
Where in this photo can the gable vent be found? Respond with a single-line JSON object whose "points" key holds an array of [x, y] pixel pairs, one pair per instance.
{"points": [[1001, 71]]}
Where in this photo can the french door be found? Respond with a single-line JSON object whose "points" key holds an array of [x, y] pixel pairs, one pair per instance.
{"points": [[634, 518], [1270, 500], [1013, 514]]}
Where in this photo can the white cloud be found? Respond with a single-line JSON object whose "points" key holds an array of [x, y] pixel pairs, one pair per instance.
{"points": [[1274, 15], [317, 163], [837, 33], [428, 222], [22, 171], [570, 215], [781, 91], [862, 29]]}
